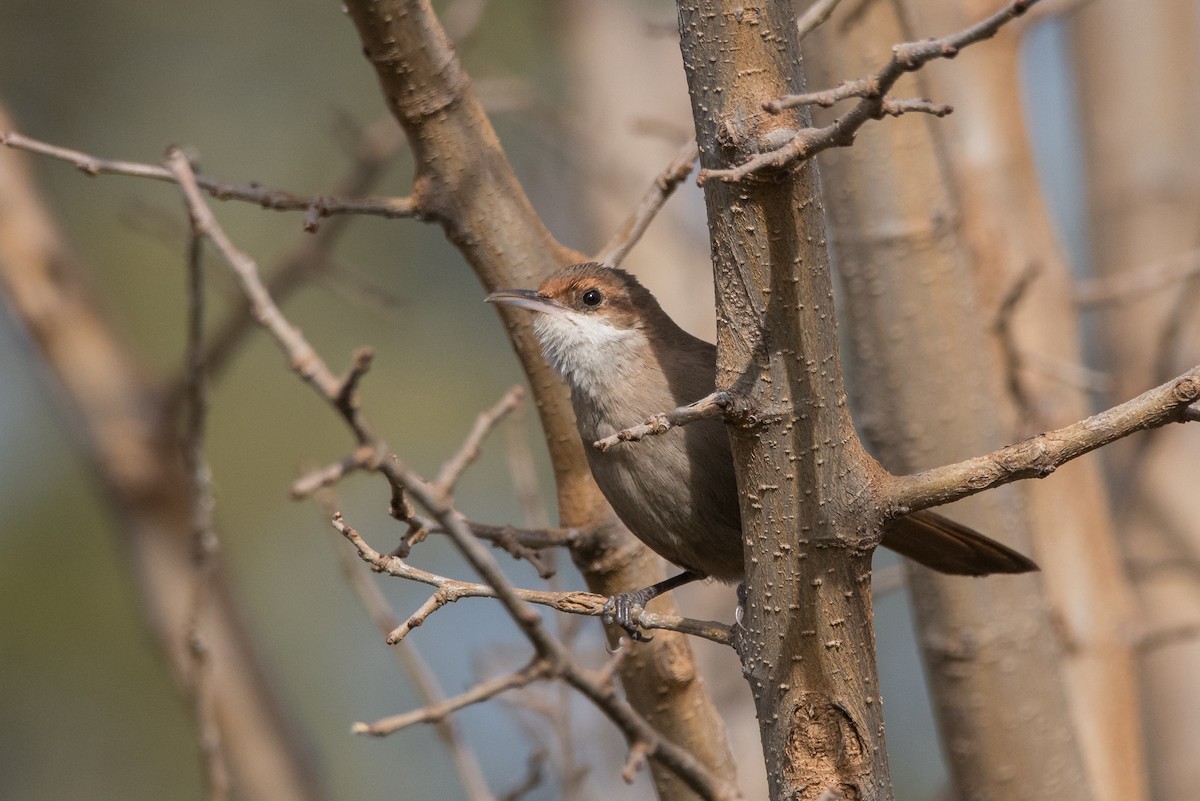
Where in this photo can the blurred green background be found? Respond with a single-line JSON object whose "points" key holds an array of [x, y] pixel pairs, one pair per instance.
{"points": [[262, 91]]}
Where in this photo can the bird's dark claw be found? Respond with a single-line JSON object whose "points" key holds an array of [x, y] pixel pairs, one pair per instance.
{"points": [[622, 609]]}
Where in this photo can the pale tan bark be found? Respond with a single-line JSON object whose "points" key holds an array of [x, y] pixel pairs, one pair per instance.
{"points": [[1008, 231], [929, 391], [465, 182], [119, 420], [1139, 69]]}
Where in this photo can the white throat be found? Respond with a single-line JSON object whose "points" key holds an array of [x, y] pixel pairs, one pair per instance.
{"points": [[586, 351]]}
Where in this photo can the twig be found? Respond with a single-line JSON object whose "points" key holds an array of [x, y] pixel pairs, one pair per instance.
{"points": [[208, 732], [423, 678], [814, 17], [274, 199], [535, 671], [375, 148], [453, 469], [301, 356], [637, 730], [1038, 457], [521, 543], [577, 603], [872, 91], [713, 405], [1002, 327], [1127, 286], [310, 367], [894, 107], [533, 778], [617, 248]]}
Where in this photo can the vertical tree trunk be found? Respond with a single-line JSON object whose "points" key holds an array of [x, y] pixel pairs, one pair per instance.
{"points": [[808, 645], [465, 182], [930, 392], [1139, 69], [1007, 229]]}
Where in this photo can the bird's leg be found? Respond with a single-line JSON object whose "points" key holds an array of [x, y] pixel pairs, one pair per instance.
{"points": [[619, 609]]}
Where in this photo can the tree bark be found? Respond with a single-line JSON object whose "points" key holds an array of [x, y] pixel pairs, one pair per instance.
{"points": [[1037, 342], [1139, 71], [927, 393], [807, 645], [464, 181]]}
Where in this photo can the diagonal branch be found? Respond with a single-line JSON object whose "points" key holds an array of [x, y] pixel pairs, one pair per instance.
{"points": [[617, 248], [637, 730], [453, 469], [873, 105], [1038, 457], [486, 690]]}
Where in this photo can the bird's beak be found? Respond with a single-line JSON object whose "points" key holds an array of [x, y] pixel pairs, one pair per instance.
{"points": [[525, 299]]}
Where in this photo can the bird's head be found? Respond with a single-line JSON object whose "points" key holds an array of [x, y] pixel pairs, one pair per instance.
{"points": [[591, 321]]}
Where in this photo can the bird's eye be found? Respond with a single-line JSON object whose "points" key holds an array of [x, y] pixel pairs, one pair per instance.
{"points": [[592, 298]]}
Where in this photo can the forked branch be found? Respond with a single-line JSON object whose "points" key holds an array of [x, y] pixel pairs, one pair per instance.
{"points": [[872, 92]]}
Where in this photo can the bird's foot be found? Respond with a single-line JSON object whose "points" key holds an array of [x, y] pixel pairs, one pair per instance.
{"points": [[623, 610]]}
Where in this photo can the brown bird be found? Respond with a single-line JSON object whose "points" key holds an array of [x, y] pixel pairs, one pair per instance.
{"points": [[624, 360]]}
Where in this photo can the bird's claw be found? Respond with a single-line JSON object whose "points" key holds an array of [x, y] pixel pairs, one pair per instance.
{"points": [[623, 610]]}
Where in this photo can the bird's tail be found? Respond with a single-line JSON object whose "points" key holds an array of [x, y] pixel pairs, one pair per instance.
{"points": [[948, 547]]}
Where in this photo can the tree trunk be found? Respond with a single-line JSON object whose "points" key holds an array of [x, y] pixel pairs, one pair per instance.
{"points": [[465, 182], [807, 646], [1139, 69], [928, 392]]}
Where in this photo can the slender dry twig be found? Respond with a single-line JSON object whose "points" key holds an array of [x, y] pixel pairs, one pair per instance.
{"points": [[1038, 457], [617, 248], [533, 778], [1002, 327], [453, 469], [484, 691], [423, 678], [814, 17], [312, 369], [208, 732], [714, 405], [275, 199], [872, 91], [450, 590], [374, 149], [637, 730]]}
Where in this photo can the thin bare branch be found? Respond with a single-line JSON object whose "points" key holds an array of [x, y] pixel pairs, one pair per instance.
{"points": [[411, 661], [872, 90], [814, 17], [602, 694], [617, 248], [538, 669], [577, 603], [895, 106], [1038, 457], [714, 405], [453, 469], [275, 199], [208, 732]]}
